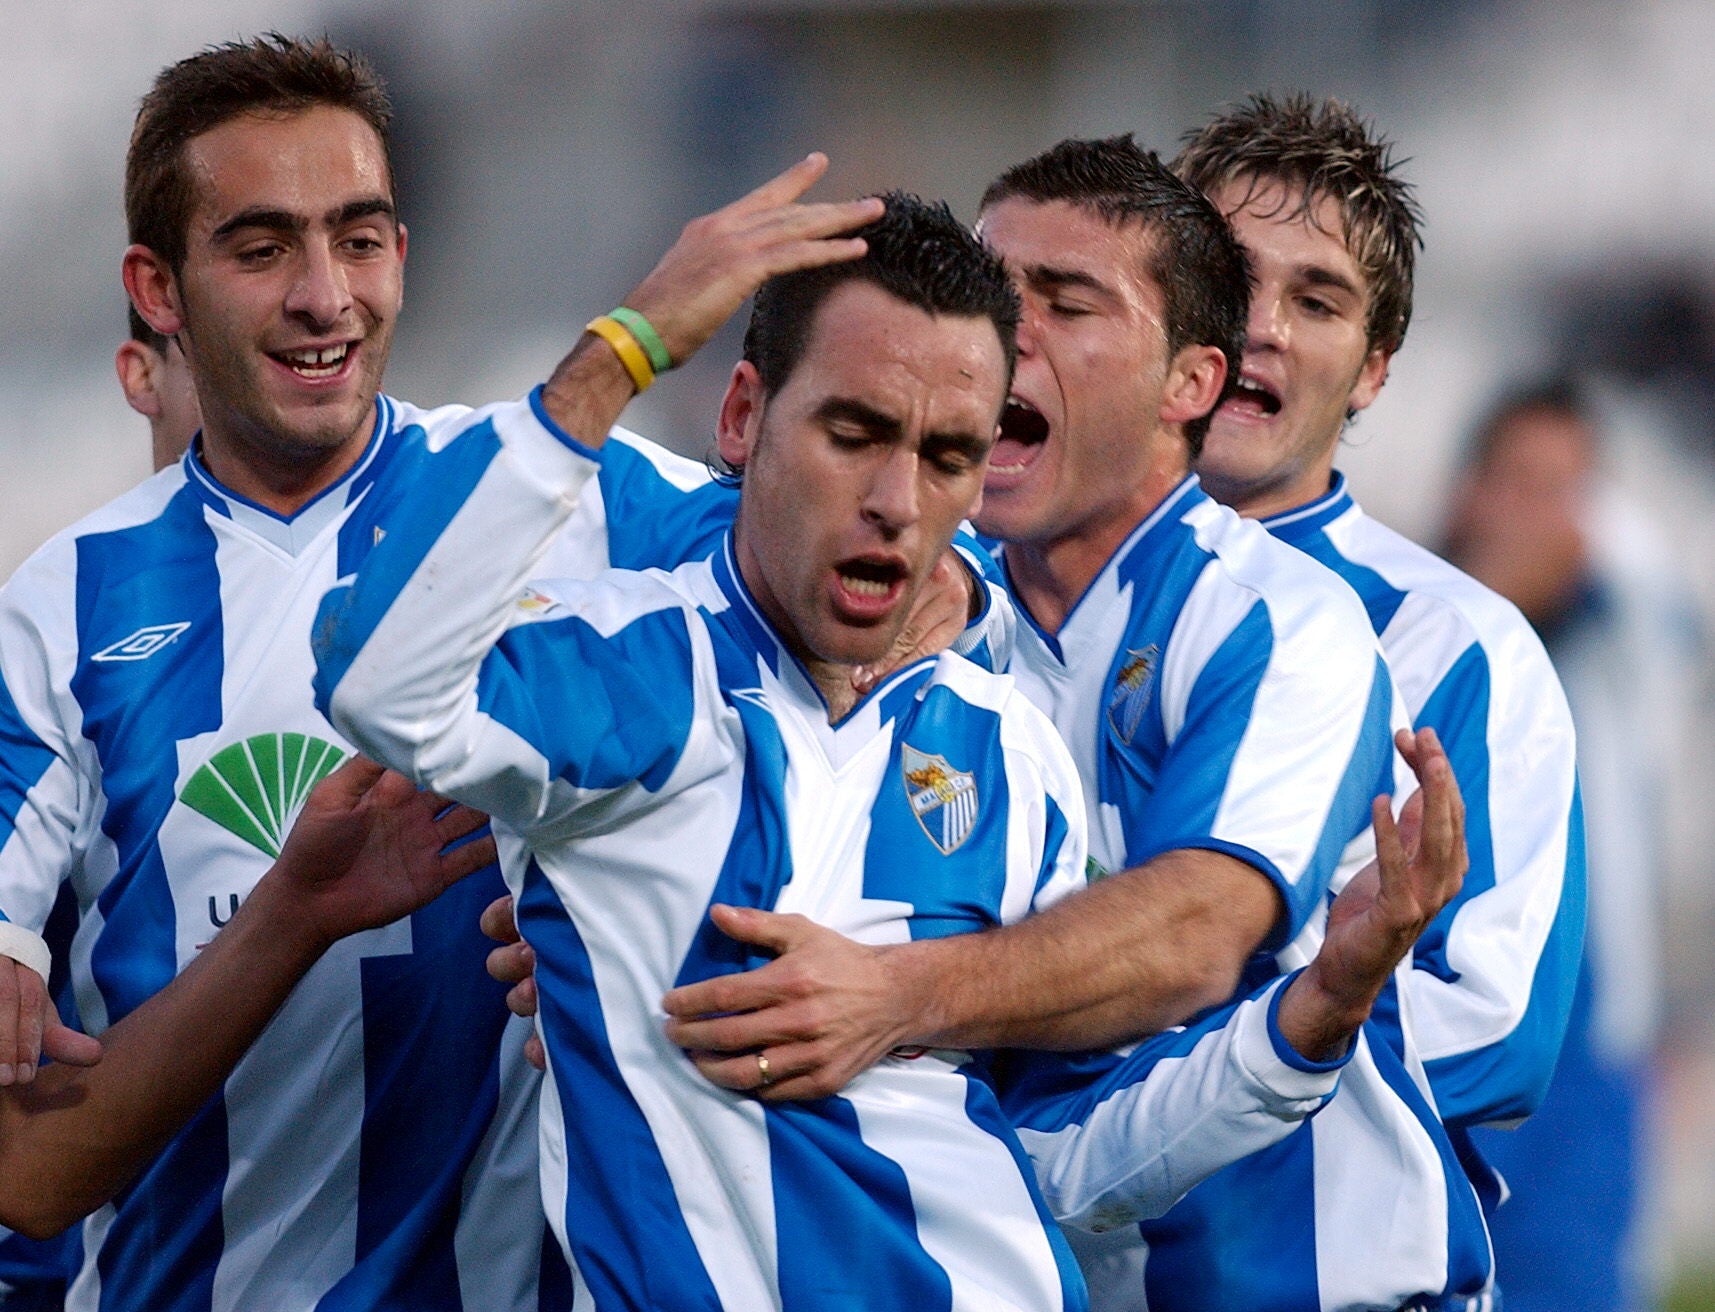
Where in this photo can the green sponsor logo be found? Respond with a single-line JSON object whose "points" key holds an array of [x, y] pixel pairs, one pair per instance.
{"points": [[256, 788]]}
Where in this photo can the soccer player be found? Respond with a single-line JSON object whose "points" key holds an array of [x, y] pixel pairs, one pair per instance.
{"points": [[1331, 231], [655, 743], [157, 385], [376, 1147], [1224, 699]]}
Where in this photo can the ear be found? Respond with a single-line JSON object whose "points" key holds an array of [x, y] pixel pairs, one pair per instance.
{"points": [[153, 290], [1193, 383], [1372, 374], [136, 365], [740, 420]]}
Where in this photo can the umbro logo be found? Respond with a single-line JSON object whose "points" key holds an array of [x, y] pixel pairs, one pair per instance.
{"points": [[142, 644]]}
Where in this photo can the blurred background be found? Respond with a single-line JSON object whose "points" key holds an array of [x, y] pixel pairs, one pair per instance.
{"points": [[548, 150]]}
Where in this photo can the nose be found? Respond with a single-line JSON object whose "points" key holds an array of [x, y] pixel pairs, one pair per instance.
{"points": [[1027, 330], [891, 501], [1267, 323], [319, 294]]}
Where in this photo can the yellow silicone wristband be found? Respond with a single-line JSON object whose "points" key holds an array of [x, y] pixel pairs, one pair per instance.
{"points": [[625, 346]]}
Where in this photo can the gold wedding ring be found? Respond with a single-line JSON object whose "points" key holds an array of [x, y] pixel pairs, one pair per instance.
{"points": [[766, 1075]]}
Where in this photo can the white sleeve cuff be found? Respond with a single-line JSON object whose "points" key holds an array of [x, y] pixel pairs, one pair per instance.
{"points": [[30, 948]]}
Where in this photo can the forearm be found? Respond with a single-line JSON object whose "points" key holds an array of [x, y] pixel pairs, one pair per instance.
{"points": [[1132, 955], [1117, 1145], [76, 1136]]}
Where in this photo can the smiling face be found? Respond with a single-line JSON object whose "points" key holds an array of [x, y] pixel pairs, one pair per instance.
{"points": [[1088, 445], [859, 468], [1307, 363], [286, 301]]}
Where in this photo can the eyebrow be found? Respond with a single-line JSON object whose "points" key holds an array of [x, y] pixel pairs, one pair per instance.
{"points": [[1318, 275], [884, 425], [1047, 277], [258, 216]]}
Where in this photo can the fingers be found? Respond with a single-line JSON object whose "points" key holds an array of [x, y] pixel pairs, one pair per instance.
{"points": [[522, 999], [69, 1047], [764, 929], [459, 822], [468, 858], [794, 1072], [355, 776], [535, 1053], [498, 921], [511, 963], [787, 185], [31, 1010]]}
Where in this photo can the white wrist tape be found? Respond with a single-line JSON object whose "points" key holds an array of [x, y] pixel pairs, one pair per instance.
{"points": [[22, 945]]}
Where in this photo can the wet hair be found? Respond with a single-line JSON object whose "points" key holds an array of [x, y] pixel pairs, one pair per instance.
{"points": [[1318, 150], [919, 253], [270, 74], [1193, 257]]}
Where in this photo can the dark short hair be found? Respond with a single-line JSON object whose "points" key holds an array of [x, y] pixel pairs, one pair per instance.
{"points": [[1193, 257], [919, 253], [1321, 150], [1556, 394], [270, 74]]}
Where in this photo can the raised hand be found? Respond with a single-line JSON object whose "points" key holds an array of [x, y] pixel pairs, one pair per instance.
{"points": [[721, 258], [368, 848], [1419, 867]]}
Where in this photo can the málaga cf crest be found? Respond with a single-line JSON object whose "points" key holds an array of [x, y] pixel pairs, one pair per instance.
{"points": [[1131, 692], [943, 799]]}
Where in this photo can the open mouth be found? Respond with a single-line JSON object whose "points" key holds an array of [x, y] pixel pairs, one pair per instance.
{"points": [[1252, 397], [870, 578], [1023, 430], [315, 362]]}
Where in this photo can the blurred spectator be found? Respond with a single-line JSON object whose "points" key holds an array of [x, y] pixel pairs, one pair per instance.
{"points": [[1533, 518]]}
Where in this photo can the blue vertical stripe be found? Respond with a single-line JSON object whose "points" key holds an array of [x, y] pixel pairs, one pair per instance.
{"points": [[902, 863], [1244, 1240], [432, 1027], [135, 712], [843, 1218], [24, 759], [161, 1251], [613, 1164], [758, 861]]}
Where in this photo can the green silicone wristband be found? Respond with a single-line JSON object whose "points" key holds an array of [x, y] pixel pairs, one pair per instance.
{"points": [[646, 336]]}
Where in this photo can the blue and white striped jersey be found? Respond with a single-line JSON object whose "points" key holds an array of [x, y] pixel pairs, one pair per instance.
{"points": [[1494, 975], [647, 747], [157, 734], [1221, 692]]}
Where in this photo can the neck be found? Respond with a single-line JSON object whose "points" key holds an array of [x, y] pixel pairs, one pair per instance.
{"points": [[1049, 576], [281, 481], [836, 684], [1264, 500]]}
